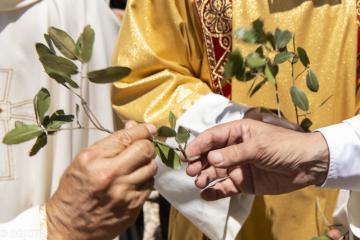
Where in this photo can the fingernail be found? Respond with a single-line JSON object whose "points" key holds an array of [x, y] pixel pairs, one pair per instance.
{"points": [[192, 159], [152, 129], [216, 158]]}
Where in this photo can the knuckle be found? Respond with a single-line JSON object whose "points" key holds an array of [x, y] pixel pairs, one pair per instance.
{"points": [[124, 137], [145, 147], [85, 157]]}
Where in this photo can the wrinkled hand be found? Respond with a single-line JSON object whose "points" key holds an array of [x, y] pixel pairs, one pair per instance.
{"points": [[257, 158], [101, 193]]}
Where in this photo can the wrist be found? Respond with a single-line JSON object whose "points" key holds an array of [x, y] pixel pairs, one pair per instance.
{"points": [[56, 227], [318, 154]]}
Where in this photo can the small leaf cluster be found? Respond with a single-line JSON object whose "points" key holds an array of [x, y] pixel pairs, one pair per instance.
{"points": [[46, 124], [262, 65], [60, 57], [170, 156]]}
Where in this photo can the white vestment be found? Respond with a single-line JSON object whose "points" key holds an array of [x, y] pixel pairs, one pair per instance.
{"points": [[29, 181]]}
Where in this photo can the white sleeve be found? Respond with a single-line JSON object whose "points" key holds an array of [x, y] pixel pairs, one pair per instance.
{"points": [[344, 146], [221, 219], [29, 225]]}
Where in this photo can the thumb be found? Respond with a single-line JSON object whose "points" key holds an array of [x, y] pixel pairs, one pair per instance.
{"points": [[232, 156]]}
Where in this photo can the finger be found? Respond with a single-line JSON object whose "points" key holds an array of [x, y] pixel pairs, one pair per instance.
{"points": [[194, 168], [214, 138], [209, 175], [137, 155], [142, 175], [232, 155], [117, 142], [221, 190], [130, 124]]}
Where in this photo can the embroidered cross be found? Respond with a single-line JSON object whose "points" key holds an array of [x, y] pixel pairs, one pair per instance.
{"points": [[10, 112]]}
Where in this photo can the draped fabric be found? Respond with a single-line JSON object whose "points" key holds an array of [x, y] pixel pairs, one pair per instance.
{"points": [[164, 44], [25, 181]]}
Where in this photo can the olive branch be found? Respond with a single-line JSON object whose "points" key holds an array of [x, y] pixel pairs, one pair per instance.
{"points": [[62, 58], [262, 67]]}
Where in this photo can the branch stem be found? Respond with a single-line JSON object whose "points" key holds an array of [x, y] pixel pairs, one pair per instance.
{"points": [[293, 82]]}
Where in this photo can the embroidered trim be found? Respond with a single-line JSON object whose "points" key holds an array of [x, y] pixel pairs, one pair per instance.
{"points": [[43, 223], [216, 21]]}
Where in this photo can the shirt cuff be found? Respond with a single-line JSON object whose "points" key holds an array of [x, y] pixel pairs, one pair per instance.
{"points": [[344, 147]]}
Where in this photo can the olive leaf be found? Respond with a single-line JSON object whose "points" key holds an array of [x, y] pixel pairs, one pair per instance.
{"points": [[258, 87], [41, 104], [234, 66], [58, 119], [282, 57], [312, 81], [306, 124], [168, 156], [41, 142], [258, 26], [49, 43], [254, 60], [282, 38], [63, 79], [108, 75], [85, 44], [172, 120], [183, 135], [303, 56], [299, 98], [58, 64], [63, 42], [269, 75], [247, 35], [22, 133], [42, 49], [166, 132]]}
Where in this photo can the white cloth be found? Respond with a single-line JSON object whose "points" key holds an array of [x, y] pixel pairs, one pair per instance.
{"points": [[9, 5], [220, 220], [344, 170], [24, 227], [26, 182]]}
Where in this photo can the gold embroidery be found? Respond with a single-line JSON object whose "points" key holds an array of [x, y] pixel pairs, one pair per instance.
{"points": [[216, 20]]}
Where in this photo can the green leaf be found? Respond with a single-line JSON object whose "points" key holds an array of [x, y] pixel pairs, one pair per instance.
{"points": [[183, 135], [247, 35], [312, 81], [58, 119], [258, 87], [299, 98], [254, 60], [63, 42], [63, 80], [282, 57], [168, 156], [234, 66], [306, 124], [22, 133], [258, 26], [42, 49], [271, 39], [85, 44], [269, 75], [41, 104], [282, 38], [58, 64], [172, 120], [19, 123], [166, 132], [49, 43], [41, 142], [303, 56], [109, 75]]}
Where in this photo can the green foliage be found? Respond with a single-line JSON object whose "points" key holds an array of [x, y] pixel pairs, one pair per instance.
{"points": [[41, 104], [263, 64], [323, 237], [182, 135], [306, 124], [172, 120], [108, 75], [299, 98], [22, 133], [85, 43], [168, 155], [41, 142], [166, 132], [63, 42]]}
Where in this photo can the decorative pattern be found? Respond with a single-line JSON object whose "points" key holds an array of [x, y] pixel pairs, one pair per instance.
{"points": [[216, 20], [10, 112]]}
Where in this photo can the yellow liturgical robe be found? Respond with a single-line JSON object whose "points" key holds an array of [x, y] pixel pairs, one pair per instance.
{"points": [[163, 43]]}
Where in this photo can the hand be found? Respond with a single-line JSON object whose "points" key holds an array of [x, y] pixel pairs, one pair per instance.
{"points": [[258, 158], [101, 193]]}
